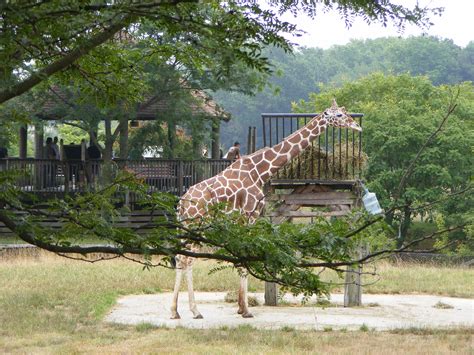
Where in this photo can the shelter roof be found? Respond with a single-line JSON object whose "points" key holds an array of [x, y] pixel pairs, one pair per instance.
{"points": [[152, 108]]}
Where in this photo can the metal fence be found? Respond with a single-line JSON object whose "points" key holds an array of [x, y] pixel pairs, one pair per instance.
{"points": [[335, 155]]}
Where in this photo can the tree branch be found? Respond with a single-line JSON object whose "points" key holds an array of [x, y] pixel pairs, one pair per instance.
{"points": [[387, 251], [65, 61]]}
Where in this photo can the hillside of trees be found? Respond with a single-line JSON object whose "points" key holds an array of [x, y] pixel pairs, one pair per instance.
{"points": [[296, 75]]}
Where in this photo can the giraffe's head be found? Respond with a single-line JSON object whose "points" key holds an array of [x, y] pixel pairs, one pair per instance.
{"points": [[338, 117]]}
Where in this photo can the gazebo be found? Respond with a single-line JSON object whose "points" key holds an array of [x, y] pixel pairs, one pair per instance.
{"points": [[74, 172], [153, 108]]}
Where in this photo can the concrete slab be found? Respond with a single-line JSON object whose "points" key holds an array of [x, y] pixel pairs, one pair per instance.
{"points": [[385, 312]]}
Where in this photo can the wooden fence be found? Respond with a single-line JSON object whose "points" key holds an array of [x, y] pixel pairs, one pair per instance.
{"points": [[71, 176]]}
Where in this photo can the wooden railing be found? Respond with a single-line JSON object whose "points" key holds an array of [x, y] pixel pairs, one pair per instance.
{"points": [[168, 175]]}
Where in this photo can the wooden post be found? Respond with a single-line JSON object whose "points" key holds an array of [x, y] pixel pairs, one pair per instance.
{"points": [[271, 288], [180, 178], [40, 170], [61, 149], [352, 288], [353, 283], [83, 150], [271, 291], [123, 140], [215, 140], [23, 141], [172, 139], [64, 165], [249, 141], [39, 142], [254, 139], [81, 170]]}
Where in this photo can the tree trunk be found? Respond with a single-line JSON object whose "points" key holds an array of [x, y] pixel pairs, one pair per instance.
{"points": [[389, 218], [405, 224]]}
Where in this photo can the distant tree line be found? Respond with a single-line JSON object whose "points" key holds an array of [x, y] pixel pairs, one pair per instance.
{"points": [[298, 74]]}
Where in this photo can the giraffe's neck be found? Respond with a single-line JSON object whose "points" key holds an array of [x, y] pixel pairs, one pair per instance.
{"points": [[274, 158]]}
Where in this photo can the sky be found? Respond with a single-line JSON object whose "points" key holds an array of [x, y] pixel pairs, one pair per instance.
{"points": [[456, 23]]}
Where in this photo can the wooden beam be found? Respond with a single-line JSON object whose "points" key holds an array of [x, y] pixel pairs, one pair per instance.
{"points": [[304, 202], [329, 195], [306, 214], [335, 184]]}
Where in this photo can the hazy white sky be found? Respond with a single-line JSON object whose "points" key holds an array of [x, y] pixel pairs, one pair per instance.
{"points": [[456, 23]]}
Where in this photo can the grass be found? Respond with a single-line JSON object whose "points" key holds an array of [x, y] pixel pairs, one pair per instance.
{"points": [[442, 305], [50, 304], [405, 277]]}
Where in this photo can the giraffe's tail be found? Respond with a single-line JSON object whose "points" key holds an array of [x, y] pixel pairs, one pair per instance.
{"points": [[173, 261]]}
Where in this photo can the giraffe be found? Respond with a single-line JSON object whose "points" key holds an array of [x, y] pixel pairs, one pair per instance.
{"points": [[241, 187]]}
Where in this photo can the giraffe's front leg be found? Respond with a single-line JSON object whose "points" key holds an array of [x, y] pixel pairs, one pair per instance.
{"points": [[243, 299], [192, 301], [177, 284]]}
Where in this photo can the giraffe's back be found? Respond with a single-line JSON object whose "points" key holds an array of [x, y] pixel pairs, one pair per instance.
{"points": [[234, 186]]}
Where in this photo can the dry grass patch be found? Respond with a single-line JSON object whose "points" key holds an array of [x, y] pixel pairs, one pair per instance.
{"points": [[51, 304], [406, 278], [246, 340]]}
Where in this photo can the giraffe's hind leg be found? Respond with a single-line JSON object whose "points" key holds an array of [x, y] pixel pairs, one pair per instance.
{"points": [[177, 284], [192, 301], [243, 298]]}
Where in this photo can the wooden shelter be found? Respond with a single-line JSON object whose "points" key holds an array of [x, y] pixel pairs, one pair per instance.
{"points": [[154, 107], [78, 171]]}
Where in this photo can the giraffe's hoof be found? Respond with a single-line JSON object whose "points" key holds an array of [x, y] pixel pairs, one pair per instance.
{"points": [[199, 316], [247, 315], [175, 316], [240, 311]]}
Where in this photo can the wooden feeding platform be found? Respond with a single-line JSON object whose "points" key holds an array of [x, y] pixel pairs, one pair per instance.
{"points": [[288, 200], [323, 181]]}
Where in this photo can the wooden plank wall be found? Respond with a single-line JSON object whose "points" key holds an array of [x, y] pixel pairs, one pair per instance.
{"points": [[139, 219], [310, 200]]}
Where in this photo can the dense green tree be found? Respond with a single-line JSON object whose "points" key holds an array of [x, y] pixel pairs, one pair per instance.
{"points": [[301, 72], [73, 41], [401, 112], [75, 38]]}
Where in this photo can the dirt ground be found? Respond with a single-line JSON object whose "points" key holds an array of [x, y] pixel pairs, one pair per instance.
{"points": [[380, 312]]}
